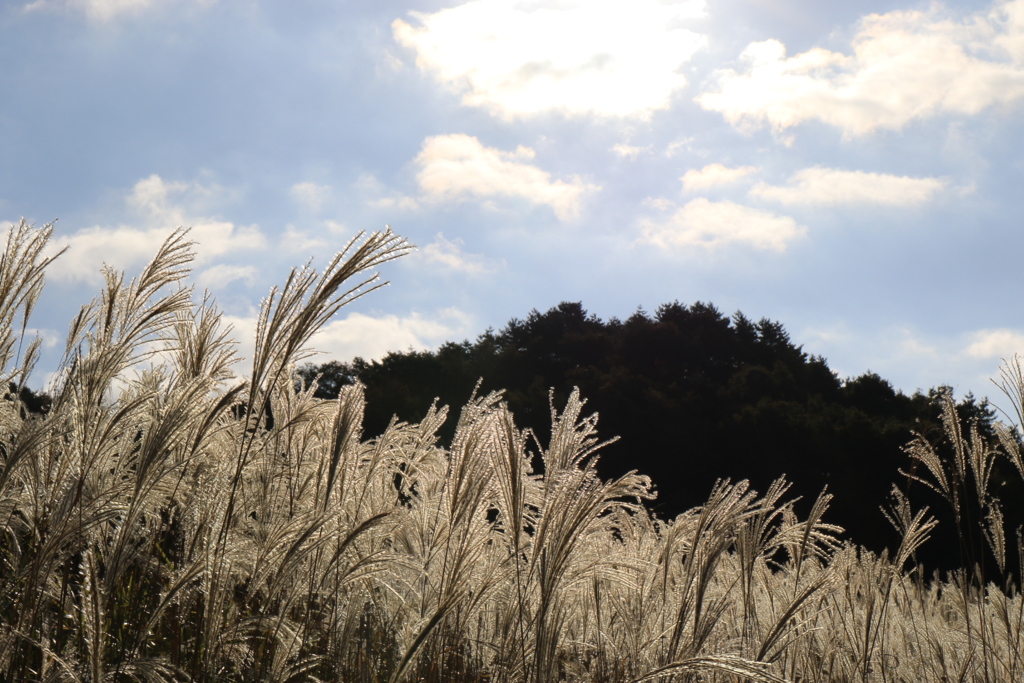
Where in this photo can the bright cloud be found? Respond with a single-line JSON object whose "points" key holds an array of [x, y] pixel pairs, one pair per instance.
{"points": [[713, 175], [996, 343], [370, 337], [833, 186], [373, 337], [516, 58], [459, 168], [904, 66], [162, 206], [703, 223]]}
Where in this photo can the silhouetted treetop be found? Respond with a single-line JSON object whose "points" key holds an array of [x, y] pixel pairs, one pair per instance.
{"points": [[695, 396]]}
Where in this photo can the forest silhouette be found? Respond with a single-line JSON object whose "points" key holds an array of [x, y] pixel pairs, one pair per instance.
{"points": [[693, 396]]}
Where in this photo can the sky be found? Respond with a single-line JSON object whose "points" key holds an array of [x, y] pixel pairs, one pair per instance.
{"points": [[851, 169]]}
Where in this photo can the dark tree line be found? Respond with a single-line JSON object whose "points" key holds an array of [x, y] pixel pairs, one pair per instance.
{"points": [[694, 396], [30, 402]]}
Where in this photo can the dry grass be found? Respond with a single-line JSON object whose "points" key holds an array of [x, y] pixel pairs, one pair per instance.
{"points": [[175, 523]]}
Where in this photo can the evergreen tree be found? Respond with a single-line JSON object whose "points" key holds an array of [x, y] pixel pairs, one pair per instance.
{"points": [[693, 395]]}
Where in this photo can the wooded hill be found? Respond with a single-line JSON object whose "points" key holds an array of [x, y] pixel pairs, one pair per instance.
{"points": [[694, 396]]}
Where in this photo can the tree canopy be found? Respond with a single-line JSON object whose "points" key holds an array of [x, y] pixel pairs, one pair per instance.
{"points": [[693, 395]]}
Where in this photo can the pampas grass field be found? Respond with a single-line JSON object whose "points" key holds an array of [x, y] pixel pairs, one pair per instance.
{"points": [[178, 516]]}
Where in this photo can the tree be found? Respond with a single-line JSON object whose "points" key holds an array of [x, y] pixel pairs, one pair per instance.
{"points": [[694, 395]]}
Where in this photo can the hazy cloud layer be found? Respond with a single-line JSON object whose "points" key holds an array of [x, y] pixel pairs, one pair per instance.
{"points": [[834, 186], [106, 10], [448, 254], [458, 167], [220, 276], [311, 196], [630, 151], [161, 207], [714, 175], [516, 58], [302, 243], [705, 224], [905, 65]]}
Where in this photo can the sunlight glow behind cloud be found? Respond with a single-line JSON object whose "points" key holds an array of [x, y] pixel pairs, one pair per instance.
{"points": [[517, 58], [458, 167], [834, 186], [707, 224], [905, 65]]}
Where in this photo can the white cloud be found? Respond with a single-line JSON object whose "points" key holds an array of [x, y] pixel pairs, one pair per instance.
{"points": [[370, 337], [830, 334], [713, 175], [50, 338], [297, 241], [397, 202], [221, 275], [707, 224], [377, 194], [904, 66], [629, 151], [310, 196], [373, 337], [391, 62], [996, 343], [448, 254], [910, 345], [515, 58], [915, 359], [103, 10], [458, 168], [336, 228], [833, 186], [679, 145], [162, 206]]}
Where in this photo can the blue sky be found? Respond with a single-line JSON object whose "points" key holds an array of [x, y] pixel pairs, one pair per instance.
{"points": [[850, 169]]}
